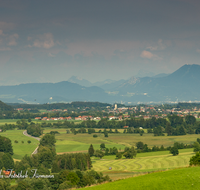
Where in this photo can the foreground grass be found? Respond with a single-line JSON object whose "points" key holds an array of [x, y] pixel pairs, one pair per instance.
{"points": [[183, 179], [20, 149]]}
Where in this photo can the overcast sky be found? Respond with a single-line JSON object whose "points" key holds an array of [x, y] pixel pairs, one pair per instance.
{"points": [[50, 41]]}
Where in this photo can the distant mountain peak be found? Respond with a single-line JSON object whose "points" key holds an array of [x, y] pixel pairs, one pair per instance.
{"points": [[133, 80], [80, 81]]}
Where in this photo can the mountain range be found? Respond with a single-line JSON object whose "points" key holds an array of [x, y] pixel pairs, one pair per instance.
{"points": [[181, 85]]}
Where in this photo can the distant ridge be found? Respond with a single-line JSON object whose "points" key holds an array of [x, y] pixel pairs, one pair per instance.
{"points": [[179, 86]]}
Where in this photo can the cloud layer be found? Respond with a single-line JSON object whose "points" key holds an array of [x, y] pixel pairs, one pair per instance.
{"points": [[49, 41]]}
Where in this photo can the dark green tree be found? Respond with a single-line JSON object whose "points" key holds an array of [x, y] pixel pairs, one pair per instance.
{"points": [[6, 145], [130, 152], [46, 155], [168, 129], [48, 140], [174, 151], [197, 131], [195, 160], [106, 151], [119, 155], [140, 145], [91, 150], [190, 119], [196, 147], [99, 153], [102, 146], [8, 161], [106, 134], [158, 131]]}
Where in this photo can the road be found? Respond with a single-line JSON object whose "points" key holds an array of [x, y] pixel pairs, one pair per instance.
{"points": [[37, 138]]}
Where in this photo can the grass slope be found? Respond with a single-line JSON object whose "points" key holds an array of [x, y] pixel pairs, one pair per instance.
{"points": [[183, 179]]}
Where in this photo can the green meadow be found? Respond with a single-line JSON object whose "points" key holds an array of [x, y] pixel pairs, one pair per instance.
{"points": [[178, 179], [20, 149], [80, 142]]}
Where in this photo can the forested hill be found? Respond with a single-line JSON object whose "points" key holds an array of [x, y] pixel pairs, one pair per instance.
{"points": [[5, 107], [61, 105]]}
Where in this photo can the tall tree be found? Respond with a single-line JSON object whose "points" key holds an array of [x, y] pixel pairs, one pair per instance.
{"points": [[190, 119], [91, 150]]}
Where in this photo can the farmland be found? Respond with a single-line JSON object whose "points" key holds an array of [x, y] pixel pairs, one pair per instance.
{"points": [[144, 162], [80, 142]]}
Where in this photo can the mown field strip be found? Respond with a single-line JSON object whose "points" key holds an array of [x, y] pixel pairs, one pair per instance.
{"points": [[144, 163]]}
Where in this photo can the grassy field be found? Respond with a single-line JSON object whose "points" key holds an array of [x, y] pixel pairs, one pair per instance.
{"points": [[144, 162], [20, 149], [177, 179], [80, 142]]}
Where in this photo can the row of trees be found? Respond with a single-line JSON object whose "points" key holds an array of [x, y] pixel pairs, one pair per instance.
{"points": [[127, 153], [130, 152]]}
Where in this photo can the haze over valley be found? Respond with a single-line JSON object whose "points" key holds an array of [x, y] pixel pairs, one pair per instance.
{"points": [[179, 86]]}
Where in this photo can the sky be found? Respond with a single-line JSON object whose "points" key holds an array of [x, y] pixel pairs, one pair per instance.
{"points": [[50, 41]]}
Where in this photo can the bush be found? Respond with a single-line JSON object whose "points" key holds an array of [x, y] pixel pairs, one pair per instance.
{"points": [[16, 141], [28, 141], [95, 136]]}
